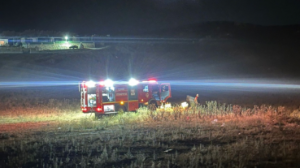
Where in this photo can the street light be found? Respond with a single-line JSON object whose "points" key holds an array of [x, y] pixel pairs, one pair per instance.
{"points": [[66, 37]]}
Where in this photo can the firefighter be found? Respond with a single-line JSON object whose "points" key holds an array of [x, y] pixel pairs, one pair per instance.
{"points": [[196, 99], [193, 101]]}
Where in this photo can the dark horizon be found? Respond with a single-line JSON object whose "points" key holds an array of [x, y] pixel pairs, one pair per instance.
{"points": [[132, 17], [189, 32]]}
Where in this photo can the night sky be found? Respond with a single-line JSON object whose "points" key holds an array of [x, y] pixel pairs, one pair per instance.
{"points": [[140, 16]]}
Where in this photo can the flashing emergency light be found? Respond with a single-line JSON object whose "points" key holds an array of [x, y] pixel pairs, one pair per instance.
{"points": [[90, 84], [108, 83], [133, 82], [152, 81], [102, 83]]}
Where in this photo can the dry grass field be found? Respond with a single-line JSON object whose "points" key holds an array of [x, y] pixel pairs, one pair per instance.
{"points": [[55, 133]]}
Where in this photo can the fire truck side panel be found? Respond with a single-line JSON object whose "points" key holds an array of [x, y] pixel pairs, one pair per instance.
{"points": [[119, 106], [85, 97], [99, 108], [132, 93], [144, 93], [84, 100], [99, 96], [121, 92], [133, 105]]}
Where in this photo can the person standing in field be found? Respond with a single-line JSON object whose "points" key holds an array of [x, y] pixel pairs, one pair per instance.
{"points": [[196, 99]]}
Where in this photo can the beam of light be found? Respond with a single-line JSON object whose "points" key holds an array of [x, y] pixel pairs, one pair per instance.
{"points": [[238, 84], [217, 84], [37, 83], [107, 82]]}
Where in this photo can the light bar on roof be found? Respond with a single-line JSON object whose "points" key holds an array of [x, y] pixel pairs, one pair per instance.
{"points": [[108, 83], [102, 83], [133, 82], [90, 84], [150, 81]]}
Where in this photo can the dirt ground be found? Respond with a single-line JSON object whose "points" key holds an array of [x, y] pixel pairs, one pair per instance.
{"points": [[26, 127]]}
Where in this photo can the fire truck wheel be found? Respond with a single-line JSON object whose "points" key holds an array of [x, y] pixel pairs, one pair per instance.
{"points": [[122, 109]]}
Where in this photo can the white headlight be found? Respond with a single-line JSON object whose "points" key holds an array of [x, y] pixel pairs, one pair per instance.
{"points": [[184, 104], [133, 82], [90, 84]]}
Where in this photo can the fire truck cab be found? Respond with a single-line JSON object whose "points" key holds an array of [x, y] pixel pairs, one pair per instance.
{"points": [[107, 97]]}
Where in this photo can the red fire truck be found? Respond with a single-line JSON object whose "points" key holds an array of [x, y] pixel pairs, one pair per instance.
{"points": [[106, 97]]}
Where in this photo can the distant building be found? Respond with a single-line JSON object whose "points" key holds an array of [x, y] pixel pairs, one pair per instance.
{"points": [[14, 40], [58, 39], [3, 42], [23, 40], [36, 39], [32, 39], [44, 39], [29, 39]]}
